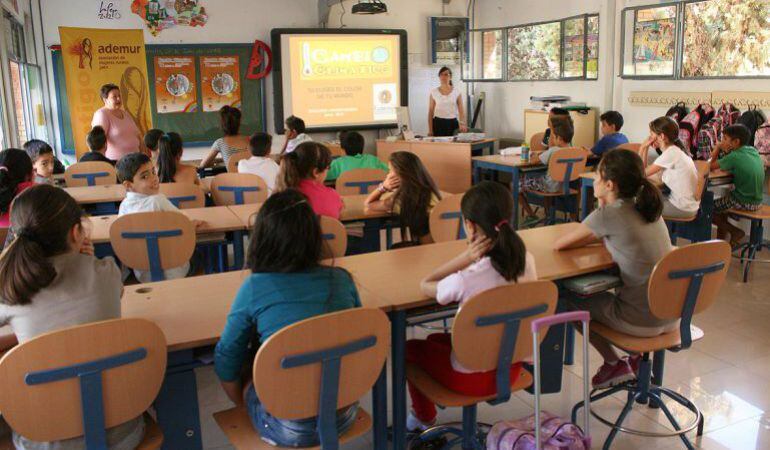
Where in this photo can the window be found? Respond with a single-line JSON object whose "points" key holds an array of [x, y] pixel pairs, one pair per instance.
{"points": [[492, 54], [534, 52], [576, 42], [726, 38], [592, 43], [697, 39]]}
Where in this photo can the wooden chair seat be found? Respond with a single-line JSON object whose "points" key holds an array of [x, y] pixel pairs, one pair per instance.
{"points": [[443, 396], [553, 194], [642, 344], [763, 213], [236, 425], [680, 219]]}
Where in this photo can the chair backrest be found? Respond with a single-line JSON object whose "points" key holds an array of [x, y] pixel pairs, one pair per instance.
{"points": [[446, 220], [687, 281], [703, 168], [318, 365], [82, 380], [536, 142], [169, 241], [183, 195], [492, 329], [359, 181], [238, 189], [634, 147], [335, 238], [90, 173], [566, 165], [232, 162]]}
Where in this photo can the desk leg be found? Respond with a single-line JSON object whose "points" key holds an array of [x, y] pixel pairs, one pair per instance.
{"points": [[177, 404], [238, 249], [584, 185], [398, 344], [380, 410], [371, 239], [569, 347], [515, 193], [476, 173]]}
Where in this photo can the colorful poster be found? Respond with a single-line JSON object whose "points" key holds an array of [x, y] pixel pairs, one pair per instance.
{"points": [[220, 82], [94, 57], [175, 84], [159, 15]]}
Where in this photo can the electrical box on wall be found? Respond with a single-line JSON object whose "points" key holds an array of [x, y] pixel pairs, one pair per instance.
{"points": [[445, 34]]}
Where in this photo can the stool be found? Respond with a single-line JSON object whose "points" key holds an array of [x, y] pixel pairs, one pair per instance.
{"points": [[748, 251]]}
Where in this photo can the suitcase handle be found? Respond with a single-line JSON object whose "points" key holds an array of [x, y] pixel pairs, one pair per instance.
{"points": [[557, 319]]}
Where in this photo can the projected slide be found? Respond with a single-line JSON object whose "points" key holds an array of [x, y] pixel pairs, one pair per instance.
{"points": [[341, 80]]}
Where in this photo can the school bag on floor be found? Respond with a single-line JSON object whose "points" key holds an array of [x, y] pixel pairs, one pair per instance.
{"points": [[752, 119], [677, 112], [555, 433], [762, 141], [690, 125]]}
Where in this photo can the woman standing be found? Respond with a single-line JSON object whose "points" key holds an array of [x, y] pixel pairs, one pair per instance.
{"points": [[446, 107], [123, 135]]}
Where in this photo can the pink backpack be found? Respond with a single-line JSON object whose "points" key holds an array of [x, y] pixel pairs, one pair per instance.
{"points": [[729, 114], [762, 141], [690, 125], [708, 137], [556, 433]]}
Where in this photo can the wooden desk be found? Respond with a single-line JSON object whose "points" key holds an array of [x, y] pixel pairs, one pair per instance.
{"points": [[449, 163], [89, 195], [217, 219]]}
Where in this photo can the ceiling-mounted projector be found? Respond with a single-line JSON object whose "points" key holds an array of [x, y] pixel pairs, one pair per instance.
{"points": [[369, 7]]}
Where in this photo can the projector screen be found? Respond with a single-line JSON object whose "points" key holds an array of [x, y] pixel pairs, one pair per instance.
{"points": [[335, 79]]}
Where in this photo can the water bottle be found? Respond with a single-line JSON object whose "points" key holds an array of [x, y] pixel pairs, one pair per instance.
{"points": [[525, 153]]}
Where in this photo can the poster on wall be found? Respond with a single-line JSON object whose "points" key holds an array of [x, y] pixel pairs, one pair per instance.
{"points": [[94, 57], [175, 84], [220, 82], [159, 15]]}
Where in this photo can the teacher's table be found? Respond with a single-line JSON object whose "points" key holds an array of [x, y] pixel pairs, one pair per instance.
{"points": [[192, 313], [449, 163]]}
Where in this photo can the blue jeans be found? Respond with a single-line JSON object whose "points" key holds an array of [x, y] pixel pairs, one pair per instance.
{"points": [[292, 433]]}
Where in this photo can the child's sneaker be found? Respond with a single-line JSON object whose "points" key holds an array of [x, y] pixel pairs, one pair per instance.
{"points": [[415, 425], [612, 374], [633, 362]]}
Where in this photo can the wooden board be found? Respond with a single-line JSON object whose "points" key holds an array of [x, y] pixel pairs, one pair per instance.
{"points": [[97, 194], [354, 210]]}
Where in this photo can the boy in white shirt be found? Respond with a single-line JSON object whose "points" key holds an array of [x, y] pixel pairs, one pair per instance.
{"points": [[260, 163], [295, 134], [137, 173]]}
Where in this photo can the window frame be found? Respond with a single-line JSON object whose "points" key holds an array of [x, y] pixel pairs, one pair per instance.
{"points": [[504, 56], [561, 51]]}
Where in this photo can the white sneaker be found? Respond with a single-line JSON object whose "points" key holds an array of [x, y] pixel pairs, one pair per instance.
{"points": [[413, 424]]}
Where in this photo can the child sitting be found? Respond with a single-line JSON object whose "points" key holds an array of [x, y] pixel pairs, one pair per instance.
{"points": [[295, 134], [611, 123], [260, 163], [50, 280], [353, 144], [97, 143], [43, 160], [151, 142], [305, 169], [170, 167], [137, 174], [496, 256], [554, 113], [744, 162], [16, 173], [561, 136]]}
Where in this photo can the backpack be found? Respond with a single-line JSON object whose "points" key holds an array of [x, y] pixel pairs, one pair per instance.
{"points": [[690, 125], [677, 112], [556, 433], [762, 141], [729, 114], [752, 119], [708, 137]]}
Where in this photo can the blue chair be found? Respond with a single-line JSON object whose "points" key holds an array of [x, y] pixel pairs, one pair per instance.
{"points": [[684, 283], [490, 332], [311, 369], [184, 195], [359, 181], [446, 220], [334, 236], [80, 381], [565, 165], [91, 173], [237, 189], [169, 239], [698, 226]]}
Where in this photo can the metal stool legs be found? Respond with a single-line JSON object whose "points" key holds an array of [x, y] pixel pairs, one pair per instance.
{"points": [[748, 251]]}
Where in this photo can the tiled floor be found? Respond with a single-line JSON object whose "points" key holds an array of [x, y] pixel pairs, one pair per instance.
{"points": [[727, 374]]}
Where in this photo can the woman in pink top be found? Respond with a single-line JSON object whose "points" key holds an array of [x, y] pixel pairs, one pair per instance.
{"points": [[496, 256], [123, 136], [305, 169]]}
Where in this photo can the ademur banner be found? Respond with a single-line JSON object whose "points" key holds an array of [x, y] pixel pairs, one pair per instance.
{"points": [[94, 57]]}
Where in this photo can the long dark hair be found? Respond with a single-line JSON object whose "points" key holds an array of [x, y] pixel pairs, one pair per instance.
{"points": [[299, 164], [625, 169], [15, 168], [446, 69], [230, 120], [668, 127], [169, 151], [414, 193], [286, 236], [42, 218], [489, 205]]}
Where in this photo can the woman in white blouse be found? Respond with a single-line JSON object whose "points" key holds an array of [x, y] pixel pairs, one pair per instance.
{"points": [[446, 113]]}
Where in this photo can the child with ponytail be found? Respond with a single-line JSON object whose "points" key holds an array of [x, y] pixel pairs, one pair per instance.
{"points": [[49, 280], [305, 169], [496, 256], [170, 167], [629, 223], [16, 175], [678, 169]]}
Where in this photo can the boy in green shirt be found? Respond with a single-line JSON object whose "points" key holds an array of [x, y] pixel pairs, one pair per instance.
{"points": [[748, 171], [353, 144]]}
